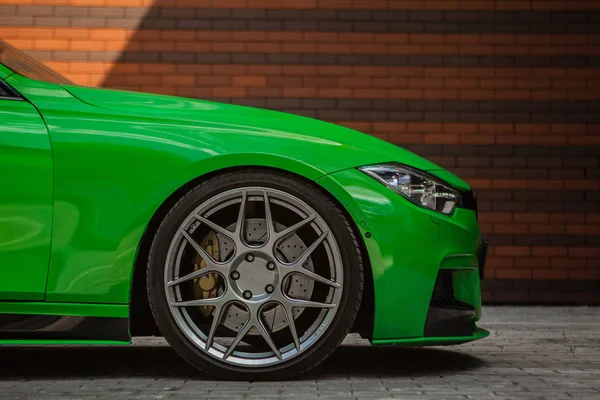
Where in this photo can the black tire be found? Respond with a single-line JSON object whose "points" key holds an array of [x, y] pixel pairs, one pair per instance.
{"points": [[340, 227]]}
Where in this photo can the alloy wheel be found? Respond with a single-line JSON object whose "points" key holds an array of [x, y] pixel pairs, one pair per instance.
{"points": [[253, 276]]}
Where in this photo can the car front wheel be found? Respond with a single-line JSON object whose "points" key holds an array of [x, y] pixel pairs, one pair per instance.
{"points": [[255, 275]]}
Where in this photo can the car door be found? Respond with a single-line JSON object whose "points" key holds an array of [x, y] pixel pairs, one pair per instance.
{"points": [[25, 199]]}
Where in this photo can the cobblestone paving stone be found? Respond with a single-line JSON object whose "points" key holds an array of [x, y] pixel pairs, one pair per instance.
{"points": [[532, 353]]}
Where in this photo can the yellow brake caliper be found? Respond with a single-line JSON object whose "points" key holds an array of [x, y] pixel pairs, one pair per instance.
{"points": [[206, 286]]}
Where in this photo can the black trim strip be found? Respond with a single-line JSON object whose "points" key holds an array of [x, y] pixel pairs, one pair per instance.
{"points": [[482, 257], [468, 201], [58, 327], [447, 316], [449, 320]]}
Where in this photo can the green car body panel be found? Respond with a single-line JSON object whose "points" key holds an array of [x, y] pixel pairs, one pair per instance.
{"points": [[107, 160], [25, 202]]}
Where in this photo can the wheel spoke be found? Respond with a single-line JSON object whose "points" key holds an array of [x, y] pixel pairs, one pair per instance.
{"points": [[210, 262], [215, 227], [295, 227], [239, 226], [308, 303], [308, 252], [238, 338], [192, 275], [218, 313], [292, 325], [313, 275], [268, 216], [263, 331], [197, 303]]}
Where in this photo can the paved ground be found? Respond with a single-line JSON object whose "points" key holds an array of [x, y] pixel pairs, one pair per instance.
{"points": [[533, 353]]}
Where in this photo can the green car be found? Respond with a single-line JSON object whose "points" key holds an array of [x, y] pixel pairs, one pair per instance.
{"points": [[254, 241]]}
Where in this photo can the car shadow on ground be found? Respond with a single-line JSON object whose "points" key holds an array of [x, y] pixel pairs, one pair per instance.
{"points": [[40, 363]]}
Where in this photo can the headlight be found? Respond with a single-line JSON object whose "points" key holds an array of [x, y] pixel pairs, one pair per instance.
{"points": [[417, 186]]}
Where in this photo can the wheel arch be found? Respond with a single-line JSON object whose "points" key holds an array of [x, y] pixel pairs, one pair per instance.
{"points": [[141, 319]]}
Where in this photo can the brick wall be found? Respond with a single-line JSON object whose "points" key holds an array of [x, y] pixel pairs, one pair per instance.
{"points": [[504, 93]]}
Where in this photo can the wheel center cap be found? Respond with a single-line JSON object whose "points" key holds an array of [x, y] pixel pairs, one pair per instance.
{"points": [[254, 277]]}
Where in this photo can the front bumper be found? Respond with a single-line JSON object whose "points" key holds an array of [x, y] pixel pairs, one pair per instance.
{"points": [[407, 247], [455, 306]]}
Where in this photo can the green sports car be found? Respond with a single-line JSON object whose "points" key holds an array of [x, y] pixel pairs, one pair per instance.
{"points": [[252, 240]]}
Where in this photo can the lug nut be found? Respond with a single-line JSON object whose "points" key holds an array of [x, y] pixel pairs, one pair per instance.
{"points": [[235, 275], [269, 288], [247, 294], [249, 257], [270, 265]]}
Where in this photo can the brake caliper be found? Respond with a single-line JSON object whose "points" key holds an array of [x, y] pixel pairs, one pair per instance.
{"points": [[207, 286]]}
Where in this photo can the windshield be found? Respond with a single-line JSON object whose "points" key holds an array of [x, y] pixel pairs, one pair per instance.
{"points": [[22, 64]]}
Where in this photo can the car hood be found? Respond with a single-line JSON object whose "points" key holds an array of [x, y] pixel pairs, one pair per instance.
{"points": [[351, 148]]}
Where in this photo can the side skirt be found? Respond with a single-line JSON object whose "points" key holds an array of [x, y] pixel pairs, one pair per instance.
{"points": [[63, 323]]}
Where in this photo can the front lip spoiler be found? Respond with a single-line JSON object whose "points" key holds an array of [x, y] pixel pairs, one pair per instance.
{"points": [[477, 334]]}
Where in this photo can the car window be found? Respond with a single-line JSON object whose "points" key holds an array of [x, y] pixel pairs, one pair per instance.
{"points": [[20, 63], [6, 92]]}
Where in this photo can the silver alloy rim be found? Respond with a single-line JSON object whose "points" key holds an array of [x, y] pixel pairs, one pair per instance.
{"points": [[254, 278]]}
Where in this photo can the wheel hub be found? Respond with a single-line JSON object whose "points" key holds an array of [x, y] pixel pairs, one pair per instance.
{"points": [[287, 250], [254, 276]]}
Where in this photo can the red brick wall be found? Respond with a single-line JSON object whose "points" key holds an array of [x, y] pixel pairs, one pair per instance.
{"points": [[504, 93]]}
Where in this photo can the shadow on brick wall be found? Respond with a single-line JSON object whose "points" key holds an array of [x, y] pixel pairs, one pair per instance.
{"points": [[505, 99]]}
